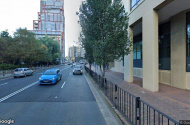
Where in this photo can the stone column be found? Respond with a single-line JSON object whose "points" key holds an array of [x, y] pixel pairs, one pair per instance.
{"points": [[178, 50], [150, 51], [128, 62]]}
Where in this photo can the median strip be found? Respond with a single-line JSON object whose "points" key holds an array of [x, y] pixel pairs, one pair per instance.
{"points": [[16, 92]]}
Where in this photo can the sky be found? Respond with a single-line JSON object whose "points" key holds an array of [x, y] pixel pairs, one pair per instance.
{"points": [[21, 13]]}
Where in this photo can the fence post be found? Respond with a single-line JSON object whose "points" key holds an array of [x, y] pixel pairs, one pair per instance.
{"points": [[137, 111], [115, 96], [98, 79], [105, 85]]}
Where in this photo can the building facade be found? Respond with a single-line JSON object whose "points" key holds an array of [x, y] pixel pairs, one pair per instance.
{"points": [[76, 53], [51, 22], [160, 30]]}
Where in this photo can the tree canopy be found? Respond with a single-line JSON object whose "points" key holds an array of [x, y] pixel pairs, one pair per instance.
{"points": [[104, 31], [23, 47]]}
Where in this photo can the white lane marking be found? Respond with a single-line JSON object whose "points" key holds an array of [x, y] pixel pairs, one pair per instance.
{"points": [[63, 85], [55, 96], [3, 84], [18, 91]]}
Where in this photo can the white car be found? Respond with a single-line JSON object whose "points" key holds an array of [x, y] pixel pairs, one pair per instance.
{"points": [[22, 72], [77, 70]]}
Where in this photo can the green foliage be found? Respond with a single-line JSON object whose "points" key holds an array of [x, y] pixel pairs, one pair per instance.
{"points": [[8, 66], [5, 33], [23, 47], [88, 46], [104, 30], [53, 49]]}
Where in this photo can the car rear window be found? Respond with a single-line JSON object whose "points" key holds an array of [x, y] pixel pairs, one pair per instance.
{"points": [[18, 69], [77, 66]]}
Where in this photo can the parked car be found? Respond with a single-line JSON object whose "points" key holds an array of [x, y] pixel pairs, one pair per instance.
{"points": [[51, 76], [77, 70], [22, 72]]}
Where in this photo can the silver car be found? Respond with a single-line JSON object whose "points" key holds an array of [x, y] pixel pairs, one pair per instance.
{"points": [[77, 70], [22, 72]]}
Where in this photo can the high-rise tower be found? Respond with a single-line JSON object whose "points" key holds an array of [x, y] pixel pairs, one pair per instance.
{"points": [[51, 22]]}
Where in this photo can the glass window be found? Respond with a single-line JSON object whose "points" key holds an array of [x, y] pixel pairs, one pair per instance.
{"points": [[134, 3], [188, 42], [134, 51], [137, 51], [164, 46], [42, 17]]}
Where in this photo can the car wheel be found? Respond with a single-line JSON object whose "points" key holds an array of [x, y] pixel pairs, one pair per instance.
{"points": [[24, 75], [32, 74], [14, 76]]}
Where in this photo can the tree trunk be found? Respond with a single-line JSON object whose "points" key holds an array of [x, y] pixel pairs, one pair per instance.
{"points": [[90, 66], [102, 69], [103, 72]]}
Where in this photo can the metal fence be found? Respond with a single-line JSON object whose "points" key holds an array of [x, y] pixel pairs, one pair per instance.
{"points": [[134, 109]]}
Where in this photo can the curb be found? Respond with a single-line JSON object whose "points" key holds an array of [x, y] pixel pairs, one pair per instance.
{"points": [[120, 116]]}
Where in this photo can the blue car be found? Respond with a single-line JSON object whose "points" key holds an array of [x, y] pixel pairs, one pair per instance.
{"points": [[51, 76]]}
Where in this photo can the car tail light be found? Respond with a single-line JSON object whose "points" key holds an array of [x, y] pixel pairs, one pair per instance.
{"points": [[22, 72]]}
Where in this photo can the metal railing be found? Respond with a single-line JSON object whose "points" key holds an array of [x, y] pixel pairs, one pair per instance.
{"points": [[134, 109]]}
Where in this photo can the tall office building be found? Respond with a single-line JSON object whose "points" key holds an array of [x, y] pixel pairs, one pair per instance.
{"points": [[51, 22], [76, 53]]}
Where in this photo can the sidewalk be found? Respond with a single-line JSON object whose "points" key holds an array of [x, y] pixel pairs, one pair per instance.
{"points": [[6, 76], [172, 101], [107, 111]]}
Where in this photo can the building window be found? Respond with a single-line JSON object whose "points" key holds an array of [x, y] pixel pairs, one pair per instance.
{"points": [[137, 51], [164, 46], [188, 42], [134, 3]]}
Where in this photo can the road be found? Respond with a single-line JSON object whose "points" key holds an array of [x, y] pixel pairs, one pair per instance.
{"points": [[69, 102]]}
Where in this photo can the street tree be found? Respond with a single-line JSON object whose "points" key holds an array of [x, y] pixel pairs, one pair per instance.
{"points": [[88, 46], [25, 45], [53, 49], [105, 26], [5, 34]]}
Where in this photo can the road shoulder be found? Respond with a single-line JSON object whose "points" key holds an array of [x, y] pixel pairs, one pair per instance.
{"points": [[106, 109]]}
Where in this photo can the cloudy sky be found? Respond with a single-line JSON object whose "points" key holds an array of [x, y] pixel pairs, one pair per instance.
{"points": [[21, 13]]}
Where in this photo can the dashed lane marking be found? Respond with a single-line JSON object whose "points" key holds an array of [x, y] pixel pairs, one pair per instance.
{"points": [[63, 85], [16, 92]]}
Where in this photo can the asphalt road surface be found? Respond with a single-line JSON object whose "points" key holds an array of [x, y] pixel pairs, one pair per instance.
{"points": [[69, 102]]}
